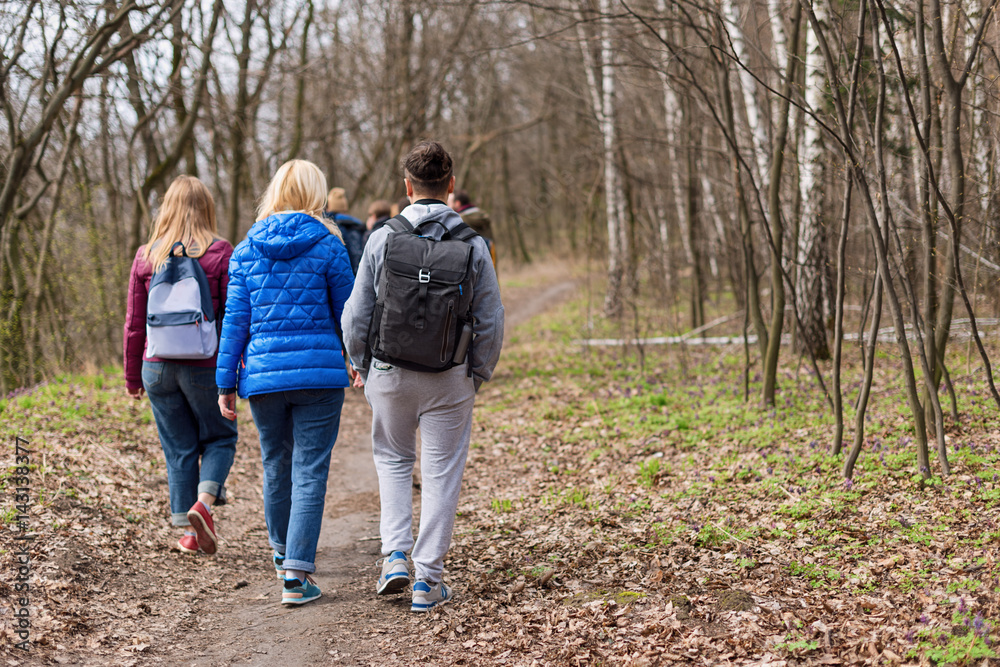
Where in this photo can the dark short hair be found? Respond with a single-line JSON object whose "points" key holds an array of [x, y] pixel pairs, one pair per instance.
{"points": [[463, 198], [380, 208], [429, 168]]}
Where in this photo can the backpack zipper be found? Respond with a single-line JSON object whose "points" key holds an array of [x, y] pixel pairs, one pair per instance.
{"points": [[447, 330]]}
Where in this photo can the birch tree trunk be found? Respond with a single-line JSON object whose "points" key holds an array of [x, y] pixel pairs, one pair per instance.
{"points": [[603, 101], [674, 117], [811, 254], [748, 87]]}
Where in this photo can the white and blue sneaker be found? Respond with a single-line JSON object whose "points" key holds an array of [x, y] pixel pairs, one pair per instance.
{"points": [[395, 574], [279, 565], [426, 596], [296, 591]]}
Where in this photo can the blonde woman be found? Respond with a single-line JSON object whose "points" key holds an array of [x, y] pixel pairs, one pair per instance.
{"points": [[281, 348], [198, 444]]}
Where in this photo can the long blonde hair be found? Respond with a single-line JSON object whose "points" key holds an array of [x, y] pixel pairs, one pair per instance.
{"points": [[298, 185], [187, 214]]}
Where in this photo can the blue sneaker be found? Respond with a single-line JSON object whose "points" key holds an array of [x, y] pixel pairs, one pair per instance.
{"points": [[279, 565], [300, 592], [427, 596], [395, 574]]}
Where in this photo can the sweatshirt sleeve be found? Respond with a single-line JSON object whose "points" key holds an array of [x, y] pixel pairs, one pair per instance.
{"points": [[235, 328], [134, 339], [487, 309]]}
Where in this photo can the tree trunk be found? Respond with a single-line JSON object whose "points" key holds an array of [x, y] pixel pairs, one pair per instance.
{"points": [[777, 225], [811, 253], [239, 128], [691, 216]]}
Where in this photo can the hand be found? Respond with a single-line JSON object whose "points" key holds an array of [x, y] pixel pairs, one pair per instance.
{"points": [[356, 381], [227, 406], [136, 393]]}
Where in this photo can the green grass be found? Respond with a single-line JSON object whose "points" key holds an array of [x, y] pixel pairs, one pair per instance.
{"points": [[649, 472], [501, 506]]}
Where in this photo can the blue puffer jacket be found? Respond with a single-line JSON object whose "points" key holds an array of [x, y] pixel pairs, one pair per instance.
{"points": [[288, 281]]}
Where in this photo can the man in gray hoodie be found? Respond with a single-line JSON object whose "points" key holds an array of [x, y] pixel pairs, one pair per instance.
{"points": [[440, 404]]}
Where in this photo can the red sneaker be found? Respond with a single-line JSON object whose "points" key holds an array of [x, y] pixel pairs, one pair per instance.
{"points": [[188, 544], [201, 523]]}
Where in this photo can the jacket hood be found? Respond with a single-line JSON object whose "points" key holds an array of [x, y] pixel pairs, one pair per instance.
{"points": [[286, 235], [420, 213]]}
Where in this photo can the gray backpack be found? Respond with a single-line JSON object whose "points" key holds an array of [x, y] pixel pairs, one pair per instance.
{"points": [[180, 321], [423, 314]]}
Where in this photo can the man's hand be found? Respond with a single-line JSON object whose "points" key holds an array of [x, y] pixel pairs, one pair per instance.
{"points": [[227, 406], [356, 380], [136, 393]]}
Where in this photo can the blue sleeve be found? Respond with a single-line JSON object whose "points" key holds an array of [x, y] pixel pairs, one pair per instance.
{"points": [[339, 279], [235, 327]]}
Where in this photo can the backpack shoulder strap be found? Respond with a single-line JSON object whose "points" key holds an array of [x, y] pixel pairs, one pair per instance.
{"points": [[462, 232], [399, 224]]}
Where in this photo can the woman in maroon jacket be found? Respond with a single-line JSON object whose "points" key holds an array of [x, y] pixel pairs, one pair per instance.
{"points": [[182, 392]]}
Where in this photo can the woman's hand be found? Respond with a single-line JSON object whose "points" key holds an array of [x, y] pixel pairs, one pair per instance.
{"points": [[356, 381], [135, 393], [227, 406]]}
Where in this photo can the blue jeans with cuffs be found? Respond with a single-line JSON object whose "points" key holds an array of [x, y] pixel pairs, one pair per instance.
{"points": [[297, 432], [185, 405]]}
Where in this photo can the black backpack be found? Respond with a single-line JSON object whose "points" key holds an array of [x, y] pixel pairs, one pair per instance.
{"points": [[423, 314]]}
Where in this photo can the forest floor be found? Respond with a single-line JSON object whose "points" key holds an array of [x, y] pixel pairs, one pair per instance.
{"points": [[621, 506]]}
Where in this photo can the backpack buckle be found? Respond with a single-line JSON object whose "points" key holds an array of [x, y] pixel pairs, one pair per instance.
{"points": [[423, 276]]}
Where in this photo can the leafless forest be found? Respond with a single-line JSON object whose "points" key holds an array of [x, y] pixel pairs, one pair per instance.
{"points": [[780, 158]]}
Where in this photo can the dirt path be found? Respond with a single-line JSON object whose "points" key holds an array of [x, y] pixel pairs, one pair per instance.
{"points": [[236, 618], [248, 626]]}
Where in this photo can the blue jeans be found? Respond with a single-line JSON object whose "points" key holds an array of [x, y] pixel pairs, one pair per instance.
{"points": [[185, 405], [297, 432]]}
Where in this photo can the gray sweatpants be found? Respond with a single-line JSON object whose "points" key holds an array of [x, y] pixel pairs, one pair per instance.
{"points": [[441, 405]]}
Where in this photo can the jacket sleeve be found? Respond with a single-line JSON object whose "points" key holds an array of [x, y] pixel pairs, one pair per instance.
{"points": [[339, 279], [135, 324], [224, 278], [487, 309], [235, 328], [358, 311]]}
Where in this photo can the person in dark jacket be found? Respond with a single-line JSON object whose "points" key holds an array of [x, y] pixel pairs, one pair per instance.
{"points": [[352, 230], [474, 217], [198, 444], [379, 213], [288, 282]]}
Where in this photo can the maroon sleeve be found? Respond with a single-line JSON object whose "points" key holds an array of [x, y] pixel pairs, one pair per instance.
{"points": [[135, 322], [224, 277]]}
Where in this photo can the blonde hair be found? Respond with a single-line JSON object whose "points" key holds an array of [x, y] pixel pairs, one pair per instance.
{"points": [[187, 215], [298, 185]]}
